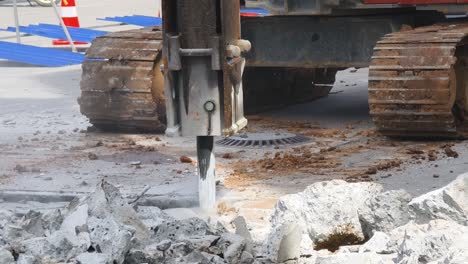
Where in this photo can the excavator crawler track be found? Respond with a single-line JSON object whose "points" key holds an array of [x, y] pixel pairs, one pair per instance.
{"points": [[122, 85], [418, 82]]}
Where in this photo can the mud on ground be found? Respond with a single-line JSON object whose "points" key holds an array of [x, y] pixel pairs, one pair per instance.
{"points": [[334, 153]]}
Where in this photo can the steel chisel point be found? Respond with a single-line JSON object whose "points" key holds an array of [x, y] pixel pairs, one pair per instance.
{"points": [[206, 170]]}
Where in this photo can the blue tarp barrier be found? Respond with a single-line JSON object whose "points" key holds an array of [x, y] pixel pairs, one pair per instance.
{"points": [[258, 11], [52, 57], [38, 55], [148, 21], [56, 32], [143, 21]]}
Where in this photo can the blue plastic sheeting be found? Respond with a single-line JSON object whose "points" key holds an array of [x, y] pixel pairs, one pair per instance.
{"points": [[258, 11], [38, 56], [56, 32], [148, 21], [143, 21]]}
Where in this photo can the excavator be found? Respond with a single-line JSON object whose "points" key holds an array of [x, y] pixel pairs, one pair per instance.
{"points": [[193, 76], [416, 51]]}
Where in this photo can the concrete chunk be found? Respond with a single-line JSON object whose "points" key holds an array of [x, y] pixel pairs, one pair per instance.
{"points": [[355, 258], [321, 209], [27, 259], [427, 242], [94, 258], [6, 257], [449, 203], [379, 243], [385, 211]]}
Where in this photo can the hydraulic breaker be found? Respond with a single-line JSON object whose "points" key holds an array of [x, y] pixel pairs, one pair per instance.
{"points": [[203, 66]]}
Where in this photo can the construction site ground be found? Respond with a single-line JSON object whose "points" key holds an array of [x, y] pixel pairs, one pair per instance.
{"points": [[49, 153]]}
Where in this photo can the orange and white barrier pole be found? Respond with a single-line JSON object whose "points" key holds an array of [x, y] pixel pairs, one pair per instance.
{"points": [[69, 14], [158, 8], [70, 19]]}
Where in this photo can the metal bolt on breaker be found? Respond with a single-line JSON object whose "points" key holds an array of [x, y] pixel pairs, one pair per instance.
{"points": [[203, 68]]}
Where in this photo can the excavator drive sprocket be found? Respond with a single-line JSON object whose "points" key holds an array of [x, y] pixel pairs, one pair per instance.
{"points": [[418, 82], [122, 84]]}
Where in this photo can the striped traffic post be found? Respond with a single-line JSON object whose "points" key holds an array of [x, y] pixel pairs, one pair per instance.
{"points": [[70, 19]]}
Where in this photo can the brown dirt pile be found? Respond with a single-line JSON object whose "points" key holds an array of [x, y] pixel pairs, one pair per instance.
{"points": [[384, 165], [309, 129], [306, 160], [449, 151], [342, 236]]}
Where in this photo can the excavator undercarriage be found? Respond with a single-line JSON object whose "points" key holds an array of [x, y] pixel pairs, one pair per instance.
{"points": [[417, 77]]}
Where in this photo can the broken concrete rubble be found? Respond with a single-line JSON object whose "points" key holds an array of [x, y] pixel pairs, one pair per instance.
{"points": [[458, 254], [449, 203], [52, 220], [194, 257], [181, 229], [14, 232], [26, 259], [232, 246], [94, 258], [427, 242], [379, 243], [107, 202], [384, 212], [6, 217], [137, 256], [153, 216], [33, 224], [355, 258], [386, 218], [6, 257], [76, 219], [110, 237], [290, 245], [319, 210], [104, 228], [37, 247], [247, 258]]}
